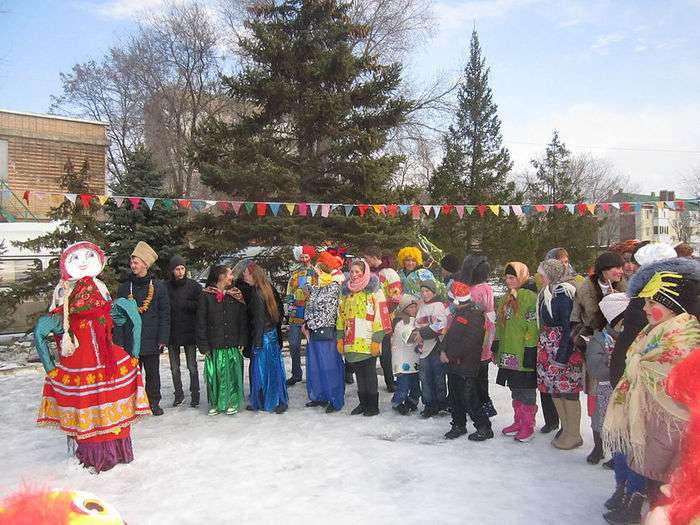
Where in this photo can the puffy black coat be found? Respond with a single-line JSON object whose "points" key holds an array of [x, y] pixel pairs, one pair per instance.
{"points": [[155, 322], [260, 321], [463, 341], [221, 325], [184, 298]]}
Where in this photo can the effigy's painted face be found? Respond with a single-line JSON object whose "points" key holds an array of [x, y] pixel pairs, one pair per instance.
{"points": [[83, 262]]}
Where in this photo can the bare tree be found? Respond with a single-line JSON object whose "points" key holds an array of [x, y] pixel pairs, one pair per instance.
{"points": [[596, 178], [684, 225], [692, 181], [107, 92], [155, 87]]}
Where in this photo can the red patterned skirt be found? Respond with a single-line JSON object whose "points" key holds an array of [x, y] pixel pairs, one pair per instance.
{"points": [[551, 378]]}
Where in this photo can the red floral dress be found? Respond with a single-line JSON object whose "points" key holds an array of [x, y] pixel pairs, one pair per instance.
{"points": [[95, 393]]}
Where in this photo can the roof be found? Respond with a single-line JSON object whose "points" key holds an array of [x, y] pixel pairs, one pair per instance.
{"points": [[55, 117], [632, 197]]}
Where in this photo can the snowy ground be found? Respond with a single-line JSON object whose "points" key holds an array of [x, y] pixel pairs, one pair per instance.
{"points": [[309, 467]]}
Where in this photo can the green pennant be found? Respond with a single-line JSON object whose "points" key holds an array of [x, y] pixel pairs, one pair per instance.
{"points": [[168, 203], [249, 206], [469, 209]]}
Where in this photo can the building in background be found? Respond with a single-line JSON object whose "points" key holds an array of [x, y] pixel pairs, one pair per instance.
{"points": [[34, 152], [652, 221]]}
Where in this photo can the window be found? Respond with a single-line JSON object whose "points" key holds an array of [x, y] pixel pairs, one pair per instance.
{"points": [[4, 160], [660, 230], [17, 270]]}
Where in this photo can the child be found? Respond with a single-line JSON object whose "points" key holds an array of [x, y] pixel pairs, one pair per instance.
{"points": [[515, 350], [599, 350], [405, 357], [430, 325], [460, 352]]}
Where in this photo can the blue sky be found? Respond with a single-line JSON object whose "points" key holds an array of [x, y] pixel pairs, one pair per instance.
{"points": [[620, 79]]}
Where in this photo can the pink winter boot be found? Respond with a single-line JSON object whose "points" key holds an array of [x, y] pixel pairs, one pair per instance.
{"points": [[527, 426], [517, 415]]}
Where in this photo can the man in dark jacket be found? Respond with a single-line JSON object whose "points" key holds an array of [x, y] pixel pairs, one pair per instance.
{"points": [[151, 296], [184, 295]]}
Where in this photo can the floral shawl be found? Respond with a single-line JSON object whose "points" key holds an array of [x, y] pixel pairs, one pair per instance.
{"points": [[641, 393]]}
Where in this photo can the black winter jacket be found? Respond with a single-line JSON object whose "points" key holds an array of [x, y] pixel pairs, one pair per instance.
{"points": [[260, 320], [634, 319], [221, 325], [155, 322], [464, 339], [184, 297]]}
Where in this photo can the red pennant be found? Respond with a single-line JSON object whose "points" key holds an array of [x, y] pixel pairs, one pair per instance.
{"points": [[415, 211], [560, 206], [184, 203], [260, 208], [680, 205], [25, 196], [85, 199], [392, 209], [446, 209], [135, 201], [362, 208], [605, 206], [581, 207], [303, 207], [626, 206], [223, 205], [482, 209]]}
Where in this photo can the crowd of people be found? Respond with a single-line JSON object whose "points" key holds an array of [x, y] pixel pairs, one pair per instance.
{"points": [[617, 333]]}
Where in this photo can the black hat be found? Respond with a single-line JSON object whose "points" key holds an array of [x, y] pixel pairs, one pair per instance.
{"points": [[607, 260], [176, 261], [450, 263], [674, 283], [475, 269]]}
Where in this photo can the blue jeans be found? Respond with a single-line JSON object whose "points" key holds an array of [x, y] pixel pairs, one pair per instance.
{"points": [[432, 378], [407, 389], [294, 339], [623, 474]]}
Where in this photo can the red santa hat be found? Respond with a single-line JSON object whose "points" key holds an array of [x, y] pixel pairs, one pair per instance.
{"points": [[459, 292], [77, 246], [305, 249]]}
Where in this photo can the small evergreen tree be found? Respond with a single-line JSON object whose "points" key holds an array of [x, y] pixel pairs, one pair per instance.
{"points": [[554, 184], [163, 227]]}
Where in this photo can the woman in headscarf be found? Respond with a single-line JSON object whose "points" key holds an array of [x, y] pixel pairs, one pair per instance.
{"points": [[325, 370], [515, 352], [268, 386], [559, 364], [363, 320], [643, 423]]}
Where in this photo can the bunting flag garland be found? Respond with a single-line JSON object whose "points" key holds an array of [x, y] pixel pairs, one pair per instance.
{"points": [[304, 209]]}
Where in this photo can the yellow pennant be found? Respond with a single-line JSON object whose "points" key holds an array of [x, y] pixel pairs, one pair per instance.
{"points": [[660, 205], [377, 208], [591, 208], [495, 208], [102, 199], [290, 207]]}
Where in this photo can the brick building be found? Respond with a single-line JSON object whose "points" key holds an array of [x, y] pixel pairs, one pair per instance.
{"points": [[34, 150]]}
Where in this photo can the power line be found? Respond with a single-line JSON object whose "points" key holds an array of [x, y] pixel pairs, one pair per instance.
{"points": [[615, 148]]}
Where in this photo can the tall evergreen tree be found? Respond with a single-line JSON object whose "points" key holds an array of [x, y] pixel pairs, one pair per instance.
{"points": [[475, 168], [312, 124], [164, 226]]}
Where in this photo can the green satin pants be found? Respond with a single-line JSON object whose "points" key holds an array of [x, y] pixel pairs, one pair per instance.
{"points": [[223, 372]]}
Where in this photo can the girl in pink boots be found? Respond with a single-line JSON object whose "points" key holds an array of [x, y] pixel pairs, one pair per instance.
{"points": [[515, 351]]}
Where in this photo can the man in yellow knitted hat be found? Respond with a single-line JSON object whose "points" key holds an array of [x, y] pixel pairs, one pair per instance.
{"points": [[151, 296]]}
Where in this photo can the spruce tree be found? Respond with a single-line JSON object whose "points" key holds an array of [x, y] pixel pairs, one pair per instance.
{"points": [[553, 184], [164, 226], [312, 125], [474, 169]]}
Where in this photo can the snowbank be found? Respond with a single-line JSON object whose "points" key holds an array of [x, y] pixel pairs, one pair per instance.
{"points": [[309, 467]]}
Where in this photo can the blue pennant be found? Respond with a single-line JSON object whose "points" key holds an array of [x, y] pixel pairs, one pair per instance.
{"points": [[348, 208], [275, 207]]}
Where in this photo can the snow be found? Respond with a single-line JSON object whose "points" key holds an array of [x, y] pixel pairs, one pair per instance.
{"points": [[306, 466]]}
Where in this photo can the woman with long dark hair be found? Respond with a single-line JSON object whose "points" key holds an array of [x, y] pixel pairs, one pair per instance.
{"points": [[268, 387], [222, 333]]}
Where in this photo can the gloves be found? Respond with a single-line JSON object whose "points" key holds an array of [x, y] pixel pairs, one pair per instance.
{"points": [[375, 349], [339, 345]]}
